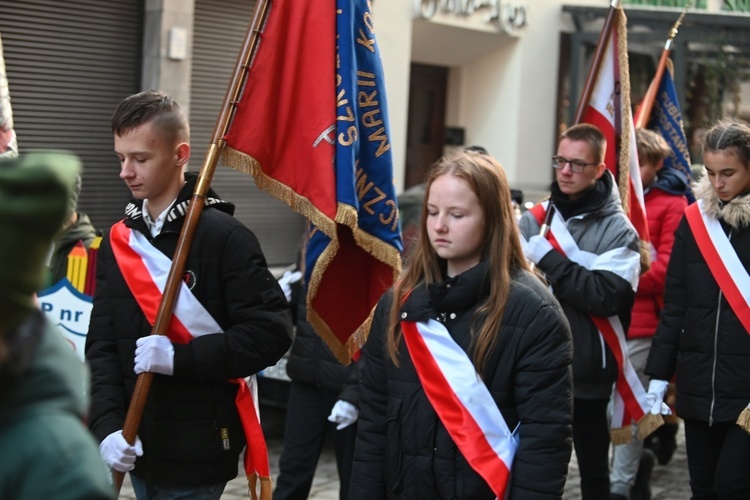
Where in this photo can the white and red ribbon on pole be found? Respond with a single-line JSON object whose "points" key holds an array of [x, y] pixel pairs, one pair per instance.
{"points": [[145, 270], [462, 402], [722, 260]]}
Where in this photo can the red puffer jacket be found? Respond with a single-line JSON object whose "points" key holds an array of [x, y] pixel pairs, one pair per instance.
{"points": [[664, 209]]}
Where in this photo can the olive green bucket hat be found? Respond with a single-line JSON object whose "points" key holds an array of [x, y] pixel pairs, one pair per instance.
{"points": [[35, 189]]}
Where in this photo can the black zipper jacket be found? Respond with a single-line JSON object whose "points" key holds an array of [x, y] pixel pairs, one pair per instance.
{"points": [[404, 451], [191, 431], [700, 339]]}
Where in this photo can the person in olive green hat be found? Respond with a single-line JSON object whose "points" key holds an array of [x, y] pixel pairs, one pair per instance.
{"points": [[77, 228], [48, 451], [34, 192]]}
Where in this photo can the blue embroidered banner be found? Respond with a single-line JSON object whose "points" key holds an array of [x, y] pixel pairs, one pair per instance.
{"points": [[367, 211], [666, 120]]}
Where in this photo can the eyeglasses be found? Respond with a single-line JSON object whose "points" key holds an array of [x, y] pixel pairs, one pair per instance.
{"points": [[576, 166]]}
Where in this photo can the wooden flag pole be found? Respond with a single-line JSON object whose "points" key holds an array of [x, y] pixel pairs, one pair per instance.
{"points": [[648, 100], [197, 202], [596, 62]]}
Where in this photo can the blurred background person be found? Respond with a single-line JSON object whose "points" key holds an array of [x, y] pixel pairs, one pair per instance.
{"points": [[75, 228], [47, 450], [8, 142], [664, 195], [323, 400]]}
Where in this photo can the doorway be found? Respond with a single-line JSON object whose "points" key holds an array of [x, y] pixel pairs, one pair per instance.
{"points": [[428, 88]]}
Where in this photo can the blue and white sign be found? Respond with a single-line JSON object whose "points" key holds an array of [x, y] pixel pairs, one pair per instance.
{"points": [[69, 310]]}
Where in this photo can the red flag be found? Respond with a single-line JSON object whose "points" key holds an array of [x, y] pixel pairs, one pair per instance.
{"points": [[311, 127], [609, 109]]}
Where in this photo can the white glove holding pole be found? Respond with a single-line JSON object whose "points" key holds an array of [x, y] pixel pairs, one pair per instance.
{"points": [[154, 354], [655, 397], [286, 282], [344, 414], [118, 453], [536, 248]]}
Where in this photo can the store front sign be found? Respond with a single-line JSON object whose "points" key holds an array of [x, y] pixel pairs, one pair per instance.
{"points": [[508, 15]]}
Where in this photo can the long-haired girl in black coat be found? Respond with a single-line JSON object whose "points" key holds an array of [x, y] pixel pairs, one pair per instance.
{"points": [[422, 434], [701, 338]]}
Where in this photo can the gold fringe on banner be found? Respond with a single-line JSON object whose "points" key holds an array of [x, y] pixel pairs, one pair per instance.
{"points": [[626, 117], [744, 420], [621, 435], [648, 424], [623, 169], [248, 165], [266, 487], [347, 216]]}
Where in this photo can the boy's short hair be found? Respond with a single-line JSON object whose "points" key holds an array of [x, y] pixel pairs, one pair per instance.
{"points": [[148, 106], [651, 146], [589, 134]]}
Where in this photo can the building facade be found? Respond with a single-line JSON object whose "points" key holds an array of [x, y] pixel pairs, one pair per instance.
{"points": [[502, 74]]}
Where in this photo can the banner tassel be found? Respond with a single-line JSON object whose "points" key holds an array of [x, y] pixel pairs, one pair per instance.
{"points": [[266, 487], [648, 424], [621, 435], [744, 420]]}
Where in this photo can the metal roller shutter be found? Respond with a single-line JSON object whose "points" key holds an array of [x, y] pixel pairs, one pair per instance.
{"points": [[218, 30], [69, 64]]}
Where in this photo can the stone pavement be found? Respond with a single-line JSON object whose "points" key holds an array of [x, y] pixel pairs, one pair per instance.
{"points": [[668, 482]]}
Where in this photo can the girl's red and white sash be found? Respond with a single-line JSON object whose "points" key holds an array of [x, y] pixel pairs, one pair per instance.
{"points": [[722, 260], [462, 402], [630, 396], [145, 270]]}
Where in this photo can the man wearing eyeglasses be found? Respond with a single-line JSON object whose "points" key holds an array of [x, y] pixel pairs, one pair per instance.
{"points": [[590, 257]]}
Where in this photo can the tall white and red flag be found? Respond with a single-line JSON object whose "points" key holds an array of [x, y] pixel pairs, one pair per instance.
{"points": [[311, 126], [609, 109], [607, 106]]}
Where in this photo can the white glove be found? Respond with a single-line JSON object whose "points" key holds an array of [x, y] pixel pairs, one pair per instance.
{"points": [[655, 397], [344, 414], [118, 453], [154, 353], [536, 248], [286, 282]]}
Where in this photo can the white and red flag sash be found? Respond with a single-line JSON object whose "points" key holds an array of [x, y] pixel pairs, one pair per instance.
{"points": [[145, 270], [630, 396], [462, 402], [609, 110], [722, 260]]}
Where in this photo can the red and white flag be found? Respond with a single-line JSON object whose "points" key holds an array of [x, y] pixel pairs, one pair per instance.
{"points": [[609, 110]]}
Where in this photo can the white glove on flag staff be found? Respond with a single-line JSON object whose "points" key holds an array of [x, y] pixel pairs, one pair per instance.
{"points": [[536, 248], [344, 414], [118, 453], [286, 282], [155, 354], [655, 397]]}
